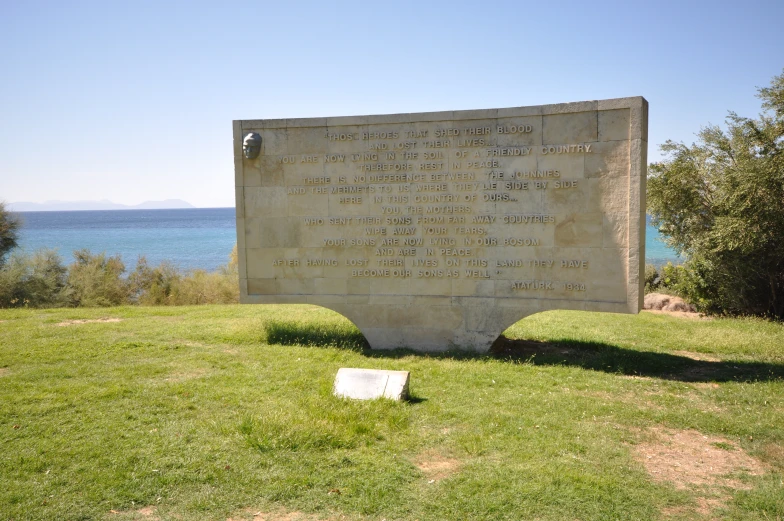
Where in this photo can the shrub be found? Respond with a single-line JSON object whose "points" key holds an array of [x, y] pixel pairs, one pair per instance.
{"points": [[97, 280], [651, 278], [165, 285], [41, 280], [677, 280], [37, 280], [201, 287], [153, 286]]}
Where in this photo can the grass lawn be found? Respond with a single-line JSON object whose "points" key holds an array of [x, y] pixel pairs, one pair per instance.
{"points": [[226, 412]]}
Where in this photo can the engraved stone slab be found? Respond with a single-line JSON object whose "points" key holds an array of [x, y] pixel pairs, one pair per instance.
{"points": [[440, 230], [369, 384]]}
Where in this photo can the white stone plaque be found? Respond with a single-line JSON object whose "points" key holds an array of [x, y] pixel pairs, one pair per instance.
{"points": [[369, 384], [440, 230]]}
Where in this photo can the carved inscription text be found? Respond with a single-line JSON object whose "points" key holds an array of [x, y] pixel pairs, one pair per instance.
{"points": [[478, 212]]}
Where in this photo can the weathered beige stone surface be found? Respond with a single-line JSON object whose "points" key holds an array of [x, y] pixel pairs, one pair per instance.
{"points": [[370, 384], [440, 230]]}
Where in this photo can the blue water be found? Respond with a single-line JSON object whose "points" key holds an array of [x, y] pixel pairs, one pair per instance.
{"points": [[192, 238], [656, 252]]}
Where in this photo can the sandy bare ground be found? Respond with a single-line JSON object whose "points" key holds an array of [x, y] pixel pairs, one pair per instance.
{"points": [[90, 321], [250, 515], [435, 466], [147, 513], [710, 466]]}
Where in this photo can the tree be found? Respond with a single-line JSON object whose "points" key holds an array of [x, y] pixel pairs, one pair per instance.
{"points": [[154, 286], [35, 280], [720, 202], [9, 231], [96, 280]]}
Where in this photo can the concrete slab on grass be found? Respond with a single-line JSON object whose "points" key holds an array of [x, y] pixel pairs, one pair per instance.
{"points": [[368, 384]]}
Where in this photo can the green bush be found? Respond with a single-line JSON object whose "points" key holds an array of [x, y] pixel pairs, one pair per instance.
{"points": [[97, 280], [201, 287], [671, 279], [165, 285], [154, 286], [41, 280], [37, 280], [651, 278], [721, 203], [677, 279]]}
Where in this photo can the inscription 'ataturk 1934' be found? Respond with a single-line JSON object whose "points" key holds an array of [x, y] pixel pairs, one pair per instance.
{"points": [[439, 230]]}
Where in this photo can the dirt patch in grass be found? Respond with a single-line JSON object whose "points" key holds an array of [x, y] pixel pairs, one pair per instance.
{"points": [[686, 458], [182, 376], [436, 466], [4, 371], [186, 343], [704, 507], [254, 515], [700, 357], [143, 514], [88, 321], [707, 465]]}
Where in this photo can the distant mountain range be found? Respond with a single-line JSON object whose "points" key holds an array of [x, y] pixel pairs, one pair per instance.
{"points": [[104, 204]]}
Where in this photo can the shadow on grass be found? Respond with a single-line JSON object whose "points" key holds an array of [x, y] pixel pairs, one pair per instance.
{"points": [[312, 335], [595, 356], [609, 358]]}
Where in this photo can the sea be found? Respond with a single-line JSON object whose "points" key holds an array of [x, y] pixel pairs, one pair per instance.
{"points": [[193, 238], [199, 238]]}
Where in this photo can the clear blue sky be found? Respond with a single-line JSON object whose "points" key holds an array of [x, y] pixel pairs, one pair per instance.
{"points": [[133, 101]]}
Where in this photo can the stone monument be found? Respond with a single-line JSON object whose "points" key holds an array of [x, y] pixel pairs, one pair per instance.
{"points": [[440, 230]]}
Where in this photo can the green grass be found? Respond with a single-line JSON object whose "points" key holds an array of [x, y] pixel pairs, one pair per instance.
{"points": [[214, 412]]}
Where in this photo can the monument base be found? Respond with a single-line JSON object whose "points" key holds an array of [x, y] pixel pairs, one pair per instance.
{"points": [[432, 324]]}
